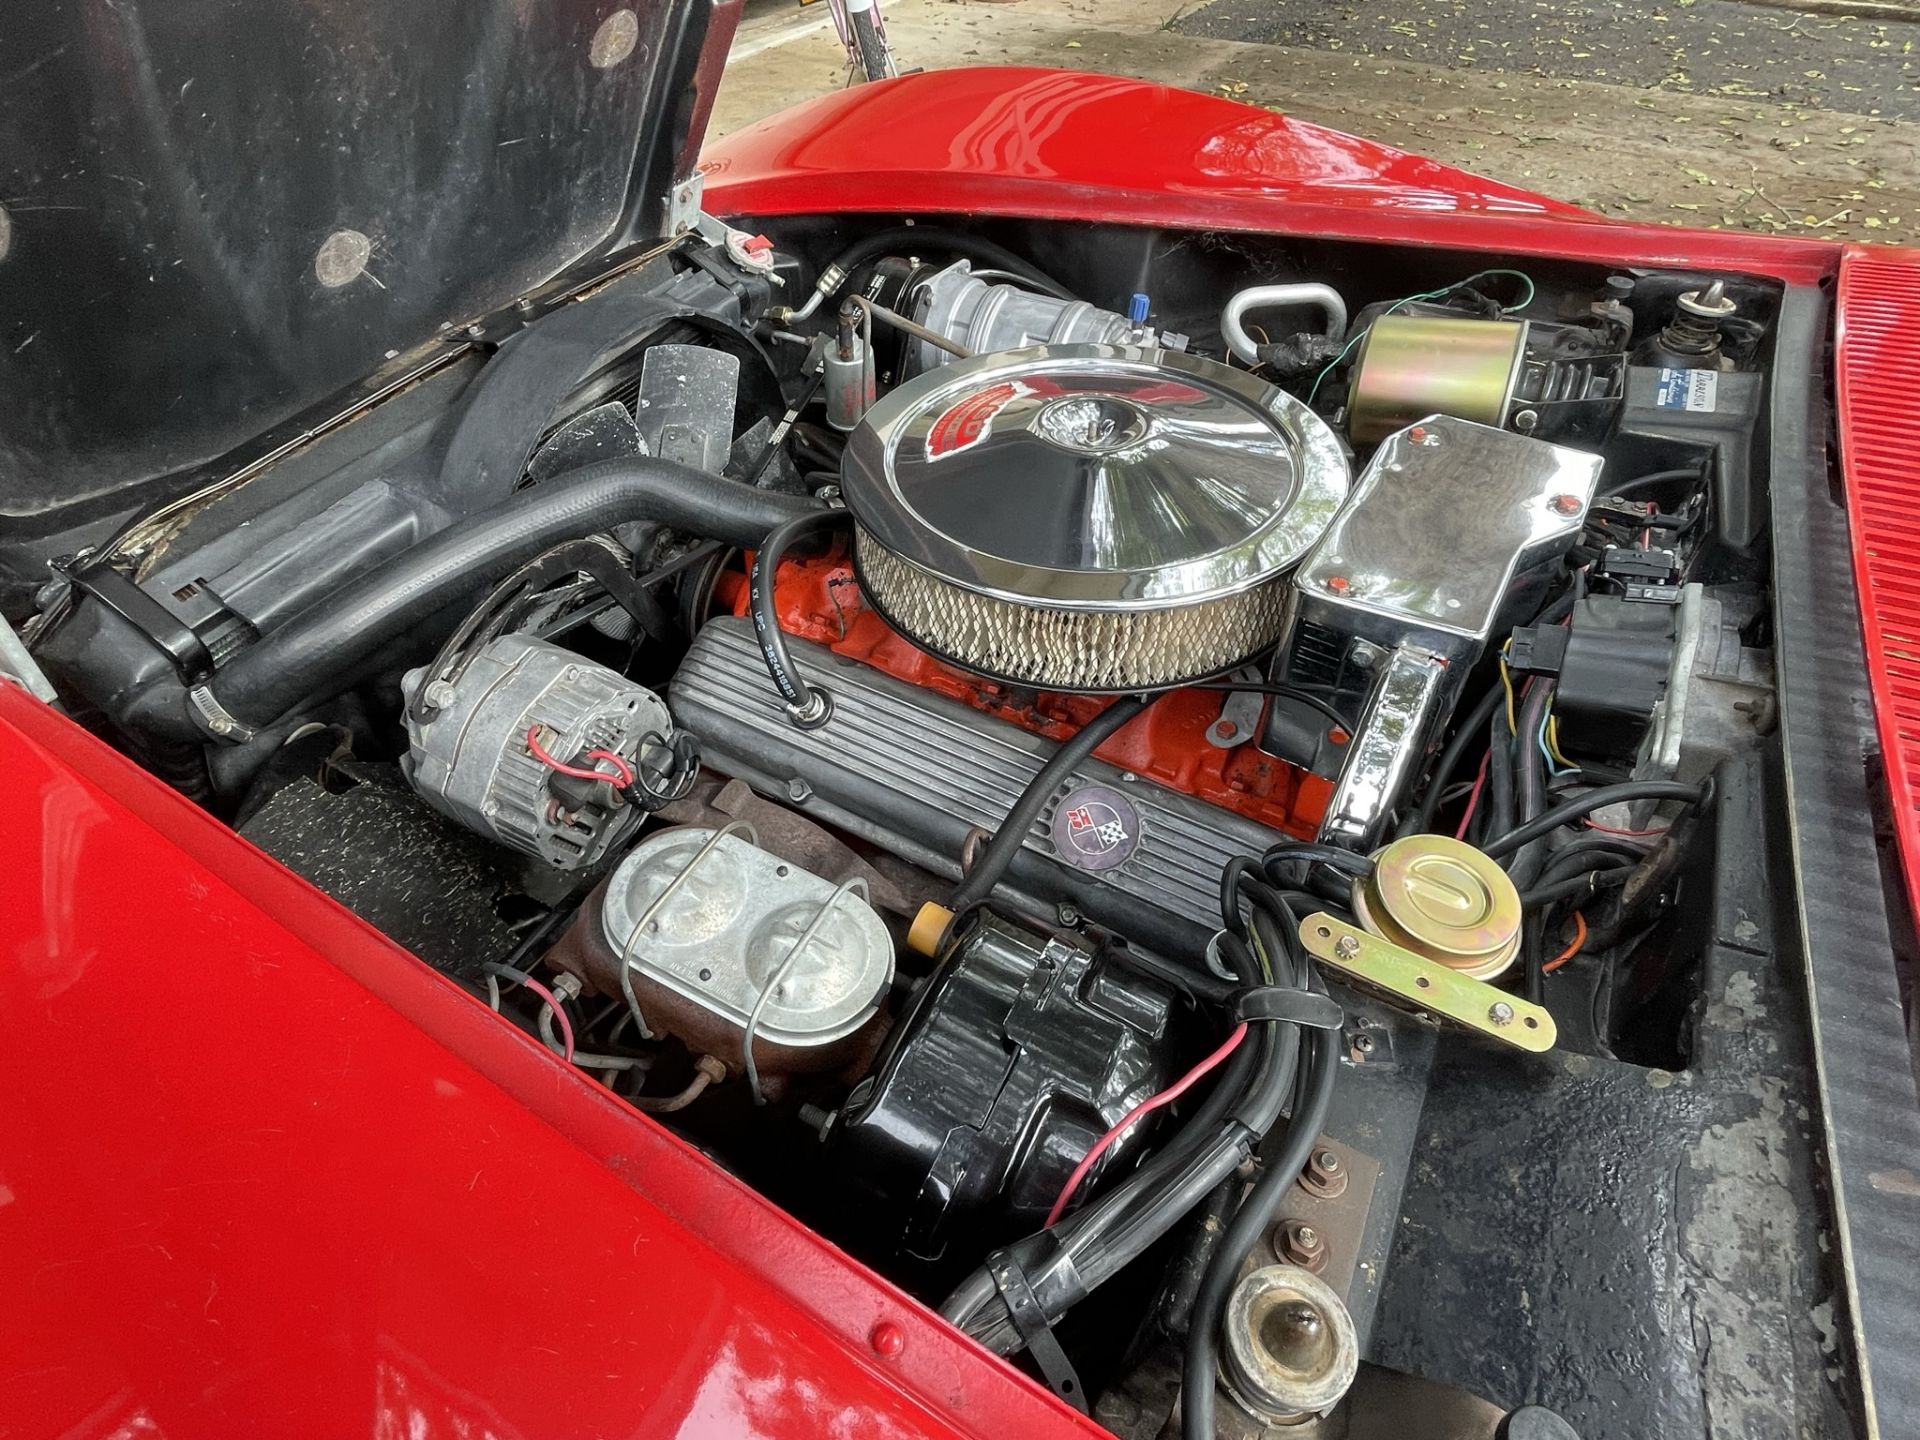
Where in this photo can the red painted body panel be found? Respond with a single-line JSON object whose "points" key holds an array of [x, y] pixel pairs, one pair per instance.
{"points": [[263, 1173], [1877, 352], [1073, 146]]}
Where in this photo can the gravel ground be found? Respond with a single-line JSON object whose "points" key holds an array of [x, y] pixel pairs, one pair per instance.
{"points": [[1705, 119], [1691, 47]]}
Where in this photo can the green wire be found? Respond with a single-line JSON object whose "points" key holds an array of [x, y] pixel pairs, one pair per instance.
{"points": [[1347, 349]]}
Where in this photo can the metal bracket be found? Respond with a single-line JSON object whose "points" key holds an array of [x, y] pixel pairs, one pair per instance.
{"points": [[159, 626], [1239, 718], [1428, 986], [683, 204]]}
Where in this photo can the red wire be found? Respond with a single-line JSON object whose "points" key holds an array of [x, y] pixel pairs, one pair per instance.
{"points": [[559, 1011], [1473, 798], [1630, 834], [623, 772], [622, 778], [1153, 1102]]}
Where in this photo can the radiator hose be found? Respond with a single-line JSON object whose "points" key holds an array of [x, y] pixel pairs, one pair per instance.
{"points": [[332, 639]]}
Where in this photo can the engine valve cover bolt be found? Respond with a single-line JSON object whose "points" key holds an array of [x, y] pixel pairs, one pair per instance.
{"points": [[1298, 1243], [1325, 1174], [1565, 504]]}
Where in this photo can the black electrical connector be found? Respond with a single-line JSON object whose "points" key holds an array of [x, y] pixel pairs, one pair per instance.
{"points": [[1538, 649]]}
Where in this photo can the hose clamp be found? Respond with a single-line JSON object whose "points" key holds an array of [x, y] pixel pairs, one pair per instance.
{"points": [[214, 719]]}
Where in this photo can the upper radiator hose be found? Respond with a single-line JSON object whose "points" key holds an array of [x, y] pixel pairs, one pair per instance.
{"points": [[333, 638]]}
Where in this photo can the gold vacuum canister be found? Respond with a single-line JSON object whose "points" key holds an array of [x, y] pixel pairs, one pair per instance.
{"points": [[1413, 366]]}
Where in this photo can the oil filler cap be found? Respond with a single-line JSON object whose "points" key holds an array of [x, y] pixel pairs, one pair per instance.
{"points": [[1445, 900]]}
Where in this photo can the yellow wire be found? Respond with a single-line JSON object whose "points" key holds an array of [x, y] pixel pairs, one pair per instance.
{"points": [[1553, 743], [1260, 954], [1506, 679]]}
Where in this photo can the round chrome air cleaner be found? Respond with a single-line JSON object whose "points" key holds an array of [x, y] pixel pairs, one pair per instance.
{"points": [[1088, 517]]}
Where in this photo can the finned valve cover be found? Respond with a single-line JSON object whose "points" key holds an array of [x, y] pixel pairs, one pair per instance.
{"points": [[1088, 517]]}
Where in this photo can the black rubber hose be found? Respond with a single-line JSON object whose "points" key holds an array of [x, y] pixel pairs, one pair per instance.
{"points": [[1470, 730], [997, 854], [1530, 790], [295, 662], [1582, 885], [1499, 807], [806, 706], [1249, 1223], [1644, 482], [951, 242], [1599, 852], [1582, 806]]}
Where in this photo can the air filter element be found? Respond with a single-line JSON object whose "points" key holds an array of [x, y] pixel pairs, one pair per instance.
{"points": [[1088, 517]]}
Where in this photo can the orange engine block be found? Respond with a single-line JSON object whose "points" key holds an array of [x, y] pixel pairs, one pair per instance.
{"points": [[819, 599]]}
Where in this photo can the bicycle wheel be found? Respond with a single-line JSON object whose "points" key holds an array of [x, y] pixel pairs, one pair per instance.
{"points": [[868, 42]]}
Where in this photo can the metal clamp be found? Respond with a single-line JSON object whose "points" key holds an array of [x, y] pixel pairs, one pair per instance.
{"points": [[667, 892], [159, 626], [778, 978], [1427, 985], [1030, 1321], [214, 718]]}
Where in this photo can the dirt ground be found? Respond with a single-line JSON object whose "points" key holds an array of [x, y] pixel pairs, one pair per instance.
{"points": [[1718, 113]]}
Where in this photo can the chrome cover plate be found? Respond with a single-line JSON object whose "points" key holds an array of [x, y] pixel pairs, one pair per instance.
{"points": [[1443, 520], [1386, 750]]}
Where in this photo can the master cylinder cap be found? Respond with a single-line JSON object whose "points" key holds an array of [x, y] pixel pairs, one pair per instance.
{"points": [[1442, 899]]}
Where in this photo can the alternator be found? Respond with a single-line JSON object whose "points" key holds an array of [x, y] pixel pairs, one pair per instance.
{"points": [[510, 748]]}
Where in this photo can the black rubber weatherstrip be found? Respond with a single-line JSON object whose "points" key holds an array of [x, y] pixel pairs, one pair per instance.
{"points": [[1865, 1067]]}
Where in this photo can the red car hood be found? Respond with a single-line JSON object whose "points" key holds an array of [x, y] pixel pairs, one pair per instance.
{"points": [[264, 1173]]}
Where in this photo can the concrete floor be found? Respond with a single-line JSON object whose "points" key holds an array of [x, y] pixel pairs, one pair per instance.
{"points": [[1713, 113]]}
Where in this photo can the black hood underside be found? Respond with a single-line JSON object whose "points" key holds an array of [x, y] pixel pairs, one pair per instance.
{"points": [[217, 214]]}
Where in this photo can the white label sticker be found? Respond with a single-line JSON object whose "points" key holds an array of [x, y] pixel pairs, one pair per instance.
{"points": [[1687, 390]]}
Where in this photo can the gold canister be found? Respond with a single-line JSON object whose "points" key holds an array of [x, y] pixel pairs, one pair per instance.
{"points": [[1413, 366], [1444, 900]]}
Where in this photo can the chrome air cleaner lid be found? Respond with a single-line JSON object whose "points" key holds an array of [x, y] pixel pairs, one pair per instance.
{"points": [[1094, 477], [1097, 518]]}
